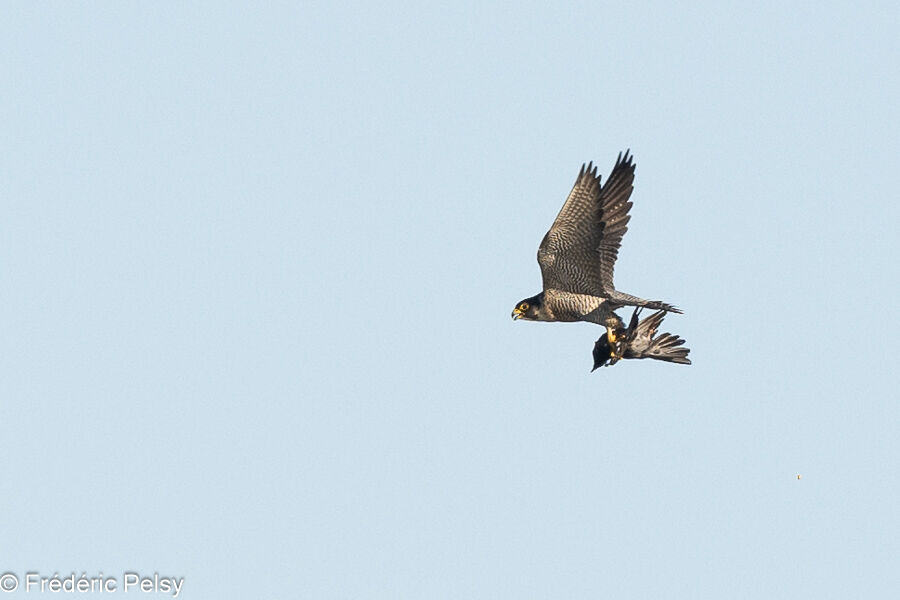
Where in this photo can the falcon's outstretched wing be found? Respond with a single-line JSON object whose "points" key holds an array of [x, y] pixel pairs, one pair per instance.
{"points": [[578, 253], [614, 217]]}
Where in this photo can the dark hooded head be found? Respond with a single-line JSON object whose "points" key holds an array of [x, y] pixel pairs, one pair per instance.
{"points": [[529, 308]]}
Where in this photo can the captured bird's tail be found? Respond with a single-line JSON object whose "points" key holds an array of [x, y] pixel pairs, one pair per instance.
{"points": [[668, 347], [629, 300]]}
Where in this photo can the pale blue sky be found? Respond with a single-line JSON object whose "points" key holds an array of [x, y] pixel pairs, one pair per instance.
{"points": [[257, 265]]}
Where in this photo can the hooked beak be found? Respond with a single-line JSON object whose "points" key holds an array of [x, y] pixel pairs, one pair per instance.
{"points": [[517, 314]]}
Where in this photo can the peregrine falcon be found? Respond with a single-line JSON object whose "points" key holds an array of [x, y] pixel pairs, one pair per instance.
{"points": [[578, 254], [639, 341]]}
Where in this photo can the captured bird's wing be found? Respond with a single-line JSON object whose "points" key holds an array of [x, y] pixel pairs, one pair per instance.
{"points": [[648, 327], [578, 253]]}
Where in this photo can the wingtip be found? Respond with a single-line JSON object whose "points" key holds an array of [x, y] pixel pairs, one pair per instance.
{"points": [[588, 170], [624, 157]]}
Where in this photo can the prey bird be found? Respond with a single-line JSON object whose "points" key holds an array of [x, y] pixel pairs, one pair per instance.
{"points": [[639, 341], [578, 254]]}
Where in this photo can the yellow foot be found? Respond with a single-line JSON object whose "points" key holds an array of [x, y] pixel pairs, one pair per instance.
{"points": [[611, 336]]}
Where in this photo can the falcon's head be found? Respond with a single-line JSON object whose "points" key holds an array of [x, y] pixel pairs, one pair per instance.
{"points": [[529, 308]]}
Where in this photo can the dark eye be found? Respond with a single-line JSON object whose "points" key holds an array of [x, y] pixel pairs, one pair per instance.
{"points": [[524, 306]]}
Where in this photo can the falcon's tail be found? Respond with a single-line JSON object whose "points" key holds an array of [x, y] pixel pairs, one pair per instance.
{"points": [[629, 300], [668, 347]]}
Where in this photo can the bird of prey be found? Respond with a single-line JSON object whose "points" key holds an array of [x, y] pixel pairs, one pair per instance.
{"points": [[639, 341], [578, 254]]}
